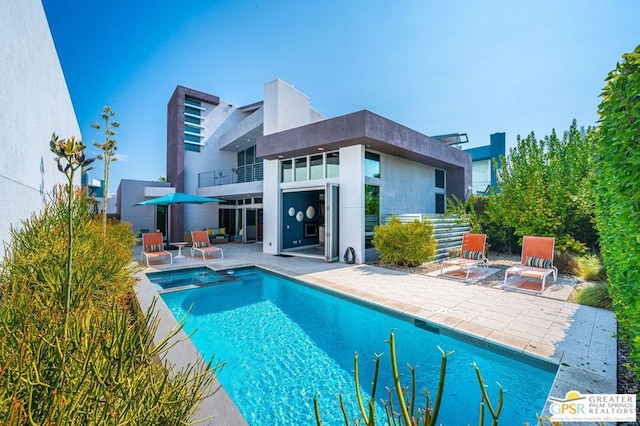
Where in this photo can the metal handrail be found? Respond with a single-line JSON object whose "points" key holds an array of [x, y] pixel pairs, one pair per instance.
{"points": [[247, 173]]}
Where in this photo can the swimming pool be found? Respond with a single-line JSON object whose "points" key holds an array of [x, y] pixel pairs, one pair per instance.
{"points": [[285, 343]]}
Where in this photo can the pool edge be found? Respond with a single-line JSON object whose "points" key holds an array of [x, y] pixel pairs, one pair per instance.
{"points": [[218, 407]]}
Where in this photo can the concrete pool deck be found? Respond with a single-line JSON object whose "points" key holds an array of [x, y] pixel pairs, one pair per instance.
{"points": [[579, 339]]}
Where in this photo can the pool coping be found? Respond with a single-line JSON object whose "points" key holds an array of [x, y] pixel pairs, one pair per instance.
{"points": [[574, 371]]}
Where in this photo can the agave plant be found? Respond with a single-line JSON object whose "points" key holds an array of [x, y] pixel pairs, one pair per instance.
{"points": [[108, 155], [70, 157]]}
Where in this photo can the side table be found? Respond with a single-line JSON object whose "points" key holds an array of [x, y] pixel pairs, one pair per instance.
{"points": [[180, 244]]}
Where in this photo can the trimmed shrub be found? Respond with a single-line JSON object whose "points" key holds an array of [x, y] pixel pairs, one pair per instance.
{"points": [[596, 295], [405, 244]]}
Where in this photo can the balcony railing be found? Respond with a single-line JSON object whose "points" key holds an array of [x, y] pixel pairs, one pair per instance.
{"points": [[247, 173]]}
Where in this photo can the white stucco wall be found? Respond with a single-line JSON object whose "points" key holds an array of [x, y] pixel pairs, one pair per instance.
{"points": [[271, 207], [284, 107], [131, 192], [351, 210], [34, 103]]}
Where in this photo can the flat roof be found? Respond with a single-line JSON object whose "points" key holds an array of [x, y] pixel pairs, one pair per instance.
{"points": [[361, 128]]}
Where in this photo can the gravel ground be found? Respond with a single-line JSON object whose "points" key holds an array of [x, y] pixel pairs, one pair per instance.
{"points": [[628, 382]]}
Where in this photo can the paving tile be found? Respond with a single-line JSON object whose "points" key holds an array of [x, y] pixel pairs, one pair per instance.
{"points": [[526, 331], [509, 340], [542, 350], [557, 330], [501, 316], [487, 321], [473, 329]]}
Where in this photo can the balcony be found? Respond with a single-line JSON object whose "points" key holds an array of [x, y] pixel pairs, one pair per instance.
{"points": [[241, 174]]}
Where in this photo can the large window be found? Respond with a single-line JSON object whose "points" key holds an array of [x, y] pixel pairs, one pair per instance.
{"points": [[287, 171], [333, 164], [315, 167], [312, 167], [440, 191], [371, 212], [371, 164], [301, 169], [481, 175], [440, 203], [193, 129], [249, 167], [440, 175]]}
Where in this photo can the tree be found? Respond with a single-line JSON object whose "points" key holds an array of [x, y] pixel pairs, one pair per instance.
{"points": [[618, 194], [545, 188], [108, 155]]}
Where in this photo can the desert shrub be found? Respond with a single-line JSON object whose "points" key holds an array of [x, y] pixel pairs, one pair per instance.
{"points": [[617, 188], [590, 268], [100, 366], [405, 244], [596, 295], [566, 262]]}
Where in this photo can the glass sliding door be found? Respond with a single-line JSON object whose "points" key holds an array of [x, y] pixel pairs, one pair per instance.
{"points": [[250, 221], [332, 243]]}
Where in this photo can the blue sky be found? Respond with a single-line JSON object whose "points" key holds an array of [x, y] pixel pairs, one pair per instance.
{"points": [[475, 67]]}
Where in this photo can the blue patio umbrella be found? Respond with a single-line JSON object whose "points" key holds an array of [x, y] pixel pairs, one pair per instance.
{"points": [[177, 198]]}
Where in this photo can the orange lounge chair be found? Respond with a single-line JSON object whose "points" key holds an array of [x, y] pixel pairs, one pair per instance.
{"points": [[153, 247], [536, 261], [471, 253], [201, 244]]}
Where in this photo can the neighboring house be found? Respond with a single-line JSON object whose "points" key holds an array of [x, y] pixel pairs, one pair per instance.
{"points": [[149, 218], [301, 183], [484, 176], [34, 103], [95, 188]]}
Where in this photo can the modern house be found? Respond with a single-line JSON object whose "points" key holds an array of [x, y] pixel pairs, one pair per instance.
{"points": [[301, 183], [34, 103]]}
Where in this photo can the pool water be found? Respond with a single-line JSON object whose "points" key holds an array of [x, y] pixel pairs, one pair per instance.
{"points": [[167, 280], [284, 343]]}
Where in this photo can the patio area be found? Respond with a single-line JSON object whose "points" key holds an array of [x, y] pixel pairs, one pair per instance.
{"points": [[579, 339]]}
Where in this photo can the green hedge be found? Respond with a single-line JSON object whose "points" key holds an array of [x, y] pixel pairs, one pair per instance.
{"points": [[618, 195]]}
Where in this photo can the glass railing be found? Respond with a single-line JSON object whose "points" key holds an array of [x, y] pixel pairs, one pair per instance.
{"points": [[247, 173]]}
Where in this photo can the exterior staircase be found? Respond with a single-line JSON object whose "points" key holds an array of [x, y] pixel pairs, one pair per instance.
{"points": [[446, 229]]}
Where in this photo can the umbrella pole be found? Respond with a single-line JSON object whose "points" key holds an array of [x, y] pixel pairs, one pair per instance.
{"points": [[168, 223]]}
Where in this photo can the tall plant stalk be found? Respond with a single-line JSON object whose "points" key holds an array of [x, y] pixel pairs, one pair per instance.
{"points": [[108, 156], [70, 157], [407, 413]]}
